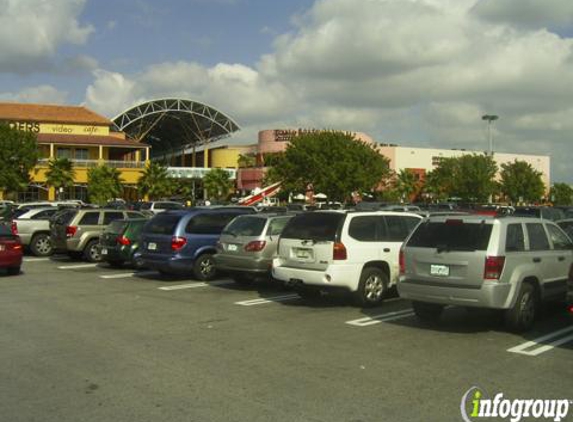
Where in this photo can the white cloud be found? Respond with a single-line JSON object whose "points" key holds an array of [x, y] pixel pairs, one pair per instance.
{"points": [[416, 72], [32, 30], [42, 94]]}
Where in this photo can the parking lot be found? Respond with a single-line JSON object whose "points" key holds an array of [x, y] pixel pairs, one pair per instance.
{"points": [[85, 342]]}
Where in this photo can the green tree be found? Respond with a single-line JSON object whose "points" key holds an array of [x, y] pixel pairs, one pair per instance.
{"points": [[406, 184], [561, 194], [155, 182], [332, 162], [469, 177], [247, 160], [104, 183], [60, 174], [18, 157], [520, 181], [218, 184]]}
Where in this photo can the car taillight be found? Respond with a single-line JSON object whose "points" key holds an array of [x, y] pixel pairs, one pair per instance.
{"points": [[402, 262], [71, 231], [338, 251], [493, 267], [177, 242], [255, 246], [122, 240], [14, 228]]}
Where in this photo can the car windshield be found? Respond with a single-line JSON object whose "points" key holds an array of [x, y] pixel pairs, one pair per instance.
{"points": [[318, 226], [451, 235], [245, 226], [163, 224]]}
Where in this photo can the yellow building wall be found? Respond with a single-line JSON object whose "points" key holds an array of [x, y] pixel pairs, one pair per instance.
{"points": [[128, 175], [228, 157]]}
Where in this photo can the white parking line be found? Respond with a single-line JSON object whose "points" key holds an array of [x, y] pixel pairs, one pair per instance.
{"points": [[264, 300], [542, 343], [127, 275], [195, 285], [71, 267], [36, 259], [377, 319]]}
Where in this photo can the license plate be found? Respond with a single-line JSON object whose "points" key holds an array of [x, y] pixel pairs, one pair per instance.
{"points": [[232, 248], [439, 270], [303, 253], [152, 246], [104, 251], [2, 247]]}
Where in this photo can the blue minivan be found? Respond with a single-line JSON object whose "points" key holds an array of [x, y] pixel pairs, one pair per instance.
{"points": [[184, 242]]}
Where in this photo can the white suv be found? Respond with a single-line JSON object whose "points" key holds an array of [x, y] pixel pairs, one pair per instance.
{"points": [[348, 250]]}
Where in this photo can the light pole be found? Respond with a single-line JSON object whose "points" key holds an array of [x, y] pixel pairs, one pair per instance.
{"points": [[490, 118]]}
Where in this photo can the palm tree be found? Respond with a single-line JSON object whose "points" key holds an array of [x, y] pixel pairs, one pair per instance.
{"points": [[406, 183], [217, 184], [60, 174], [155, 182]]}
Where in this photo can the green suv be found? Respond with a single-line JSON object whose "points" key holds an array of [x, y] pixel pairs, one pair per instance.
{"points": [[119, 243]]}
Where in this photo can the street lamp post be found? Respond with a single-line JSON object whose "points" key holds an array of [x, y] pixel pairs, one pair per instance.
{"points": [[490, 118]]}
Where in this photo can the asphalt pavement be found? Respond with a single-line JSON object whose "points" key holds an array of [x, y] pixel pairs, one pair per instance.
{"points": [[85, 342]]}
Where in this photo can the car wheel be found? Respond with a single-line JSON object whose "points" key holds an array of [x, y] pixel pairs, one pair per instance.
{"points": [[204, 267], [428, 312], [41, 245], [308, 292], [523, 314], [138, 263], [13, 270], [372, 287], [92, 251]]}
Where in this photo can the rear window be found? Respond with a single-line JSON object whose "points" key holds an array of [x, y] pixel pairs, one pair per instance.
{"points": [[452, 235], [209, 223], [116, 226], [168, 206], [246, 226], [19, 212], [163, 224], [5, 230], [64, 217], [316, 226]]}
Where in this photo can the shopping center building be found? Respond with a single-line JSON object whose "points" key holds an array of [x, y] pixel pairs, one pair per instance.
{"points": [[81, 135]]}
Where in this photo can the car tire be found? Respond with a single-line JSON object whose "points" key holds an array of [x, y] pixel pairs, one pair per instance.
{"points": [[204, 267], [372, 287], [308, 292], [522, 315], [428, 312], [41, 245], [92, 251], [242, 279], [13, 270]]}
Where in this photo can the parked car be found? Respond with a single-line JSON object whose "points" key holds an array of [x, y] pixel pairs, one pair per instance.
{"points": [[352, 251], [184, 242], [10, 250], [119, 242], [509, 263], [77, 232], [33, 227], [160, 206], [248, 245], [548, 213]]}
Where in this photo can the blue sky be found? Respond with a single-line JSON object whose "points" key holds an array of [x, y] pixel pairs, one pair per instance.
{"points": [[410, 72]]}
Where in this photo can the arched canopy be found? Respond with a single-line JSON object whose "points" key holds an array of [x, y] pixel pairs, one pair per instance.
{"points": [[171, 125]]}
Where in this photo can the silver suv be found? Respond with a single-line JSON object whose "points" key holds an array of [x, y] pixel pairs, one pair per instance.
{"points": [[77, 232], [33, 227], [507, 263]]}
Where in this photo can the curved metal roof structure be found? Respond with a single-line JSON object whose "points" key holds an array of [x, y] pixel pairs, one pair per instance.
{"points": [[170, 125]]}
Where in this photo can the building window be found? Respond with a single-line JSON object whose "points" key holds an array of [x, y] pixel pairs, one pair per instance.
{"points": [[81, 154], [64, 153]]}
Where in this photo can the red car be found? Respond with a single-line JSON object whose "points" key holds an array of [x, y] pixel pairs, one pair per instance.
{"points": [[10, 249]]}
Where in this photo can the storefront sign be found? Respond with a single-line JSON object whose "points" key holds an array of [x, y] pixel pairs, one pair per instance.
{"points": [[286, 135], [59, 129]]}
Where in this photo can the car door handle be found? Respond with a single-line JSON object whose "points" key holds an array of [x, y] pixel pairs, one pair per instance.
{"points": [[386, 249], [561, 258], [536, 259]]}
